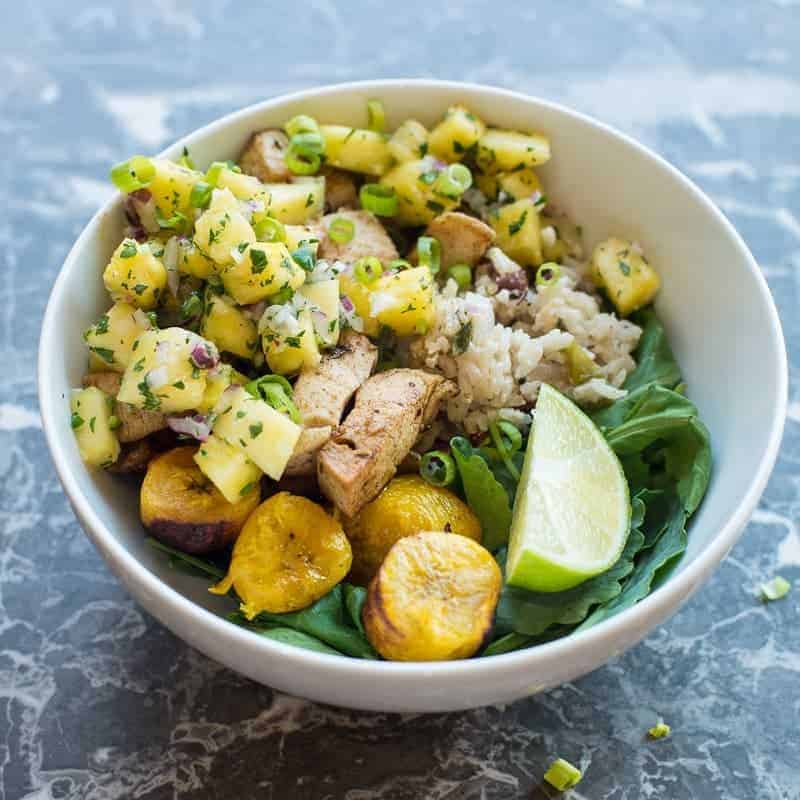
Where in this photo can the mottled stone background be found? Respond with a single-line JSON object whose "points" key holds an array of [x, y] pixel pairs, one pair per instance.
{"points": [[97, 700]]}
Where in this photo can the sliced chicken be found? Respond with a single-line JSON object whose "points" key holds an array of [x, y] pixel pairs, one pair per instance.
{"points": [[363, 454], [322, 394], [134, 457], [463, 239], [135, 423], [340, 190], [264, 156], [369, 239]]}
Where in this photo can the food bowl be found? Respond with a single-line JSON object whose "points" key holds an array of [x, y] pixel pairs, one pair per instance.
{"points": [[715, 304]]}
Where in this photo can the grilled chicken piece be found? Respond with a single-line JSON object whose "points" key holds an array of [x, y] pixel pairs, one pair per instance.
{"points": [[463, 239], [340, 189], [369, 239], [362, 455], [321, 395], [135, 423], [264, 156], [134, 457]]}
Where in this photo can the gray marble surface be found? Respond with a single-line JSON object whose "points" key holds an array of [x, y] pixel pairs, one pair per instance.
{"points": [[97, 700]]}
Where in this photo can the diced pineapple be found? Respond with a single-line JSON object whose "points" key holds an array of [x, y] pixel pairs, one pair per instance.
{"points": [[223, 200], [502, 151], [223, 233], [417, 203], [289, 341], [229, 469], [459, 130], [162, 374], [580, 363], [192, 261], [91, 422], [403, 301], [360, 296], [266, 436], [225, 325], [356, 149], [621, 269], [295, 203], [171, 188], [241, 186], [217, 381], [297, 235], [520, 184], [262, 270], [518, 232], [409, 142], [323, 299], [487, 184], [134, 275], [111, 338]]}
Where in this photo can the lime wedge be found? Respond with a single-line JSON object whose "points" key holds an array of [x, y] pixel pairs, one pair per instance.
{"points": [[572, 512]]}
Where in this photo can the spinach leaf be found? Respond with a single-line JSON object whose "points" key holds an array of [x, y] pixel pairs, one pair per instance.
{"points": [[328, 619], [191, 565], [485, 495], [354, 599], [532, 613], [655, 362], [298, 639]]}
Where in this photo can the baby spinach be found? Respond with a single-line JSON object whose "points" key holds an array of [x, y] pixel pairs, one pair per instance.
{"points": [[298, 639], [655, 361]]}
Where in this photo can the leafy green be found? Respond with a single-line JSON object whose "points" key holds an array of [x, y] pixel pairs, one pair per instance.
{"points": [[655, 362], [191, 565], [328, 619], [485, 495], [298, 639], [354, 599]]}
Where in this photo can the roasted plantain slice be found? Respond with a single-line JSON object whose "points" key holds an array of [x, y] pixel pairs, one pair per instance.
{"points": [[408, 505], [181, 507], [290, 553], [433, 599]]}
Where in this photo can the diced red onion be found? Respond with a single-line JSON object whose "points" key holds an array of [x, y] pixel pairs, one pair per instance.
{"points": [[347, 304], [144, 206], [157, 377], [196, 426], [203, 356], [142, 320], [254, 310]]}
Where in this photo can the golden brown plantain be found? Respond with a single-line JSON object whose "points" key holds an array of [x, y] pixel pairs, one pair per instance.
{"points": [[182, 508], [408, 505], [289, 554], [433, 599]]}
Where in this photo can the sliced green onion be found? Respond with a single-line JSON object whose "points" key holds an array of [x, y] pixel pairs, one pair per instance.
{"points": [[438, 468], [308, 143], [306, 257], [367, 270], [191, 306], [376, 117], [281, 297], [200, 196], [659, 730], [269, 230], [775, 589], [399, 264], [302, 162], [461, 274], [341, 230], [186, 159], [214, 171], [277, 392], [133, 174], [302, 123], [548, 274], [505, 448], [511, 433], [453, 181], [429, 253], [562, 775], [380, 200], [114, 422]]}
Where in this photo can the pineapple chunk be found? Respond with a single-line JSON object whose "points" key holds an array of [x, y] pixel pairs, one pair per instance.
{"points": [[289, 341], [223, 232], [171, 188], [459, 130], [229, 469], [217, 381], [360, 295], [520, 184], [192, 261], [134, 275], [263, 434], [487, 184], [225, 325], [502, 151], [241, 186], [628, 279], [580, 364], [297, 235], [356, 149], [518, 232], [111, 338], [295, 203], [409, 142], [263, 270], [417, 203], [162, 376], [91, 415], [403, 301], [323, 300]]}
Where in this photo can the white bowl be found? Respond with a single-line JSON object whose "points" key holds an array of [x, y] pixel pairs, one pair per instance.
{"points": [[722, 324]]}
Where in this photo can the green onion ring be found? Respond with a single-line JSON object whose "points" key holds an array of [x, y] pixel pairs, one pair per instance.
{"points": [[133, 174], [380, 200], [429, 253], [341, 230], [438, 468]]}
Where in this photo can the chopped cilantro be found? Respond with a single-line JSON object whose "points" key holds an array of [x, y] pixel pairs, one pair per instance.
{"points": [[129, 249], [258, 260], [76, 420], [256, 429], [104, 353], [624, 268], [247, 488], [91, 423], [463, 338], [516, 227], [101, 326], [437, 208], [151, 402], [179, 385], [140, 288]]}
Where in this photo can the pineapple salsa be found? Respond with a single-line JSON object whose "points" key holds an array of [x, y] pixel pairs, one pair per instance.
{"points": [[332, 361]]}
